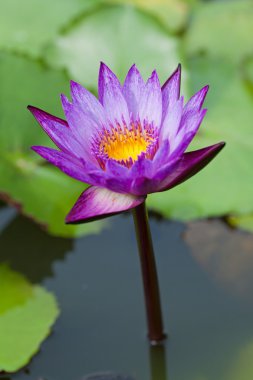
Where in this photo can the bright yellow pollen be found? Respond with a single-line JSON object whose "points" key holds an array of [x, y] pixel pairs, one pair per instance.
{"points": [[122, 144]]}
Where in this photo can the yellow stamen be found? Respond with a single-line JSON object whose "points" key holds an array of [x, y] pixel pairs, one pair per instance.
{"points": [[122, 144]]}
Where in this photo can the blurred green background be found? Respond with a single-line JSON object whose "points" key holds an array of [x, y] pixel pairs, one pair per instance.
{"points": [[43, 44]]}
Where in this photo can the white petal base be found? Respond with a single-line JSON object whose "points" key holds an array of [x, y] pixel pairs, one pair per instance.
{"points": [[97, 202]]}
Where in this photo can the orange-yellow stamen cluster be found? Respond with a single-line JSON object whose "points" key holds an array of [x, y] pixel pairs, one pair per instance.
{"points": [[125, 144]]}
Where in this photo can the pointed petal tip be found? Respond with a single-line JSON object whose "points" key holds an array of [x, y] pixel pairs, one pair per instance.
{"points": [[219, 146], [154, 75], [34, 110], [73, 84], [37, 148], [102, 65], [178, 70], [134, 68], [64, 100], [175, 78], [205, 90], [191, 163], [105, 70]]}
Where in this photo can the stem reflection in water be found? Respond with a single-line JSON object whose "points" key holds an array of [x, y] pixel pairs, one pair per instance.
{"points": [[157, 356]]}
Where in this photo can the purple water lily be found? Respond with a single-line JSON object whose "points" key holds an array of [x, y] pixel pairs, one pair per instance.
{"points": [[129, 142]]}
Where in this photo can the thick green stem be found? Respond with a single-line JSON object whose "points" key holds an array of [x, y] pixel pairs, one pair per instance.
{"points": [[149, 275]]}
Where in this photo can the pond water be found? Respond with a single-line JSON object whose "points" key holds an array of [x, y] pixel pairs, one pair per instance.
{"points": [[206, 282]]}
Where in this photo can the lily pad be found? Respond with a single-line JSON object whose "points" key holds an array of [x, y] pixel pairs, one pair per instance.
{"points": [[173, 14], [26, 315], [226, 185], [222, 29], [27, 26], [245, 222], [119, 36], [41, 191]]}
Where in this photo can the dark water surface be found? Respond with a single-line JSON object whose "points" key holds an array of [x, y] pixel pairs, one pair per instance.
{"points": [[206, 281]]}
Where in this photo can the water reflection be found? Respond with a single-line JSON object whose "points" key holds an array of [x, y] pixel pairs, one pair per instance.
{"points": [[29, 250], [226, 254], [158, 366], [7, 214], [102, 324]]}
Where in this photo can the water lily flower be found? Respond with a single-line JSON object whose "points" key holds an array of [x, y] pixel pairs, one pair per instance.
{"points": [[128, 143]]}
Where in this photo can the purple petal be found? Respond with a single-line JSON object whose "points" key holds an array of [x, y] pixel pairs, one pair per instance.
{"points": [[111, 96], [133, 89], [66, 163], [150, 106], [88, 105], [117, 177], [187, 133], [190, 164], [161, 157], [196, 101], [146, 184], [59, 131], [96, 202], [171, 91], [82, 126], [171, 122], [141, 167]]}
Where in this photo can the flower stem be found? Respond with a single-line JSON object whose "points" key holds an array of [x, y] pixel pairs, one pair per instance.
{"points": [[149, 274]]}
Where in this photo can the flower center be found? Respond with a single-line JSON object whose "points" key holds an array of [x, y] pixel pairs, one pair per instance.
{"points": [[125, 144]]}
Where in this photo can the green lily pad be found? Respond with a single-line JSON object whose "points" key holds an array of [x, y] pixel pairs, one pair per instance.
{"points": [[119, 36], [242, 367], [173, 14], [222, 29], [41, 191], [29, 25], [27, 314], [226, 185], [245, 222]]}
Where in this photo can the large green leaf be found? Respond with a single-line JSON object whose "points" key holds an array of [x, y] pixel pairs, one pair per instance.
{"points": [[173, 14], [26, 315], [27, 25], [223, 29], [226, 185], [119, 36], [245, 222], [41, 191]]}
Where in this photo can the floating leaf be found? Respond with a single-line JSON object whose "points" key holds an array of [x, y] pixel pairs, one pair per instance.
{"points": [[27, 25], [242, 367], [173, 14], [226, 185], [26, 315], [222, 29], [245, 222], [119, 36], [41, 191]]}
